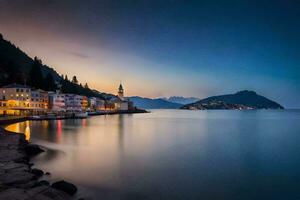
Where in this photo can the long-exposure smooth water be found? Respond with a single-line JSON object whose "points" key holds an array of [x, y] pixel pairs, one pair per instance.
{"points": [[174, 154]]}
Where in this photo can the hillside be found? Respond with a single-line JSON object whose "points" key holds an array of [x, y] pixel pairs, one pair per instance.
{"points": [[16, 67], [12, 57], [147, 103], [240, 100]]}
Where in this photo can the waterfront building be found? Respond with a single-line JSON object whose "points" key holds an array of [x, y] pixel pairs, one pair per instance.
{"points": [[39, 101], [15, 100], [109, 105], [84, 103], [57, 101], [130, 105], [120, 102], [74, 102], [100, 104], [92, 104], [96, 104]]}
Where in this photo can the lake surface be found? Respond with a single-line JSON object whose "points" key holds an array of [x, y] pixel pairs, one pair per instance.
{"points": [[174, 154]]}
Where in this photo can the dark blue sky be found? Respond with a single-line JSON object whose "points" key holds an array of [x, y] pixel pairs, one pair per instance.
{"points": [[163, 48]]}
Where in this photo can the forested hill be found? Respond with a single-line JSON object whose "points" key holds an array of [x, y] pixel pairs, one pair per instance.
{"points": [[240, 100], [12, 59], [17, 67]]}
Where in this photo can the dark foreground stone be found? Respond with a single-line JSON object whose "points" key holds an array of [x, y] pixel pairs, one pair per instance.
{"points": [[43, 183], [65, 186], [36, 193], [37, 172], [33, 149], [18, 181]]}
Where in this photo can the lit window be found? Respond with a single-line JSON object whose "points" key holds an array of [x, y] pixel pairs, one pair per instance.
{"points": [[3, 91]]}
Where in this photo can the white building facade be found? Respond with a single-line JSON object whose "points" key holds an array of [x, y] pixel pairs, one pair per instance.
{"points": [[57, 102], [74, 102]]}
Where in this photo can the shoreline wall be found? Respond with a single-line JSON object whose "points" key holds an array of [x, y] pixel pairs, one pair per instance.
{"points": [[11, 120]]}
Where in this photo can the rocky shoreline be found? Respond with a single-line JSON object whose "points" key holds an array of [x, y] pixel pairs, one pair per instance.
{"points": [[19, 180]]}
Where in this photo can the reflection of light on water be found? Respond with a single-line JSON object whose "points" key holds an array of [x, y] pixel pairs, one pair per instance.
{"points": [[14, 128], [83, 122], [27, 131], [23, 127], [45, 124], [59, 130]]}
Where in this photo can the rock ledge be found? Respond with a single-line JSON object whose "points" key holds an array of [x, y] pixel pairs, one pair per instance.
{"points": [[18, 180]]}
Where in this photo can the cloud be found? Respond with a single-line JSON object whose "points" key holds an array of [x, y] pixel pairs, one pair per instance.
{"points": [[79, 55]]}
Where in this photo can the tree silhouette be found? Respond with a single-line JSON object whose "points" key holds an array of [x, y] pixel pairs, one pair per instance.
{"points": [[50, 83], [35, 75], [14, 75], [74, 80]]}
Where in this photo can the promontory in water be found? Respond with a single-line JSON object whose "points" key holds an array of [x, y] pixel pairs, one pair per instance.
{"points": [[243, 100]]}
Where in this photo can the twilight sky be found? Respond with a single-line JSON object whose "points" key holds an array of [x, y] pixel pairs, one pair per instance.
{"points": [[167, 47]]}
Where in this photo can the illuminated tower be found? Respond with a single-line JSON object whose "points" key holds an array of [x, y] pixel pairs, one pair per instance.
{"points": [[121, 92]]}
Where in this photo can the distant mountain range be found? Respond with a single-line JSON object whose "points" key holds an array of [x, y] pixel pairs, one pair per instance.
{"points": [[240, 100], [147, 103], [181, 100]]}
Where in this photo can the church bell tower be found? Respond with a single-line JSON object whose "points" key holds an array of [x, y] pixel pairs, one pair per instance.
{"points": [[121, 92]]}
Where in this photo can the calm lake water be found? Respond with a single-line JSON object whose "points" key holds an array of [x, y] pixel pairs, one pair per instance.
{"points": [[174, 154]]}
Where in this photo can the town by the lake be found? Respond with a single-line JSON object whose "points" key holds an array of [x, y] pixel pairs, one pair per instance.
{"points": [[149, 100], [23, 100]]}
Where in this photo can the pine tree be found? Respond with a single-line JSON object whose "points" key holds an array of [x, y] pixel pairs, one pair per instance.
{"points": [[86, 86], [74, 80]]}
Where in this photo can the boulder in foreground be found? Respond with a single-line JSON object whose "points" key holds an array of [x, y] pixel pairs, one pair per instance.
{"points": [[69, 188], [33, 149], [37, 172]]}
